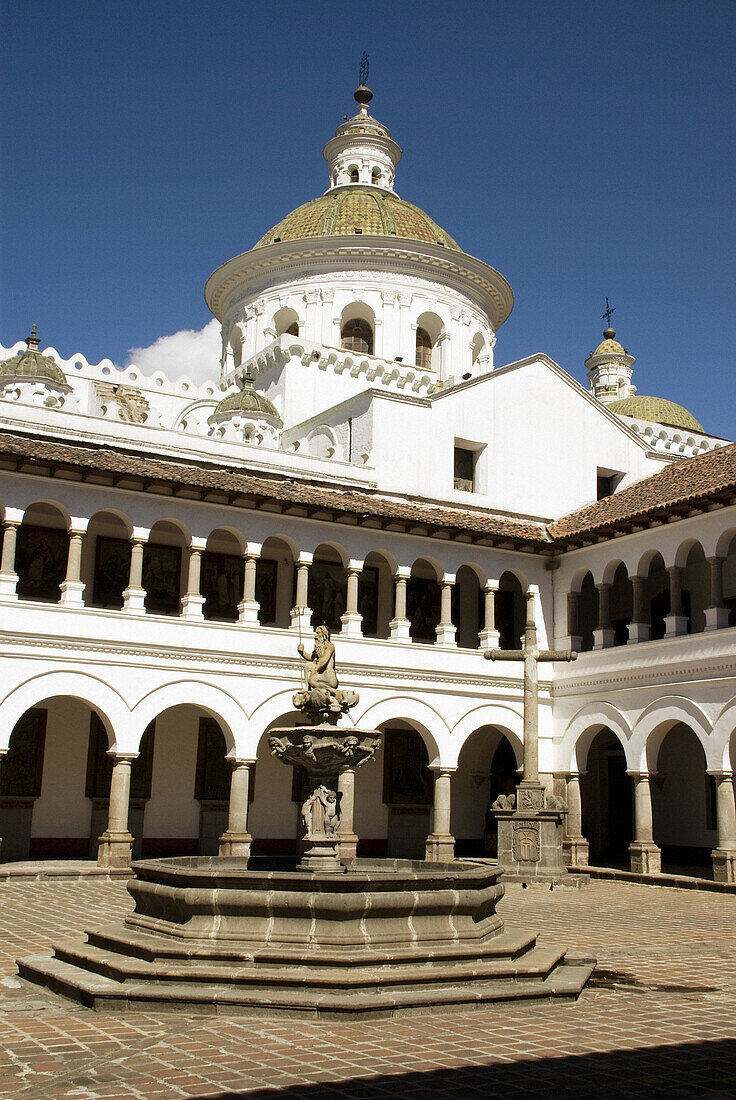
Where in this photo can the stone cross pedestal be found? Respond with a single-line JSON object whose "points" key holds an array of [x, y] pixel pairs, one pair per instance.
{"points": [[531, 823]]}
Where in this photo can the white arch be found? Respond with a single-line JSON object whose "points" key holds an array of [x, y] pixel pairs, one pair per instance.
{"points": [[507, 720], [655, 722], [428, 722], [723, 729], [275, 706], [93, 691], [583, 727], [222, 706]]}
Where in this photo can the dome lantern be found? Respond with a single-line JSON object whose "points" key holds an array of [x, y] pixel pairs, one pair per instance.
{"points": [[610, 368], [362, 151]]}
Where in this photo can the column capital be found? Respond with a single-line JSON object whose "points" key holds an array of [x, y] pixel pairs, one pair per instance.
{"points": [[641, 774], [12, 523], [122, 757], [78, 525], [79, 532], [402, 574], [355, 566], [197, 545], [304, 559], [448, 580], [240, 761], [715, 559], [253, 550], [674, 569], [443, 769], [720, 773], [490, 586]]}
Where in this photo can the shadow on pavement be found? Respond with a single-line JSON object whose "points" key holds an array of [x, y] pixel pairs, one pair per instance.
{"points": [[692, 1069]]}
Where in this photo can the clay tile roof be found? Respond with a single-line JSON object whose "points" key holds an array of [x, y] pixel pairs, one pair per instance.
{"points": [[200, 475], [684, 482]]}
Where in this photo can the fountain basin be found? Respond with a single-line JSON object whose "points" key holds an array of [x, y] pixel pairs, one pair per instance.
{"points": [[386, 936]]}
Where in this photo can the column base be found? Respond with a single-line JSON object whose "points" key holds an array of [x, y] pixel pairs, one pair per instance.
{"points": [[724, 864], [71, 593], [400, 630], [675, 625], [301, 619], [639, 632], [575, 851], [352, 624], [191, 607], [248, 611], [489, 639], [347, 846], [8, 586], [114, 849], [445, 634], [573, 641], [604, 637], [440, 848], [235, 844], [716, 618], [134, 600], [646, 859]]}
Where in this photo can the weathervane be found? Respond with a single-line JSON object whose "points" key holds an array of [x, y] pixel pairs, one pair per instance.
{"points": [[607, 312], [363, 71]]}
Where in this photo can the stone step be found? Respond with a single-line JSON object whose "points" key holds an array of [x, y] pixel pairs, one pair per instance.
{"points": [[121, 939], [104, 994], [533, 966]]}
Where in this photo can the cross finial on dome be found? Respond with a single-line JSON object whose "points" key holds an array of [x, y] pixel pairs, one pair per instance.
{"points": [[609, 332], [33, 341], [363, 95]]}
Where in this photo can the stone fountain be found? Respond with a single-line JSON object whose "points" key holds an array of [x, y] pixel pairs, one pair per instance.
{"points": [[324, 936]]}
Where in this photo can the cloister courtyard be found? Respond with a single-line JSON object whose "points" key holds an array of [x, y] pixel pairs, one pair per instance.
{"points": [[657, 1018]]}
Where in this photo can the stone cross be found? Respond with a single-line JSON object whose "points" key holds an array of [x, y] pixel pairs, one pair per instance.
{"points": [[531, 655]]}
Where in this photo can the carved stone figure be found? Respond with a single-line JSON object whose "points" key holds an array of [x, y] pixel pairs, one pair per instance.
{"points": [[321, 698], [123, 403], [319, 812]]}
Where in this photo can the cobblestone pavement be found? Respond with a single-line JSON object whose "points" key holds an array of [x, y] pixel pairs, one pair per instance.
{"points": [[658, 1018]]}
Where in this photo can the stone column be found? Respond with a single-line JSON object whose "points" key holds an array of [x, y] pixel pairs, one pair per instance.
{"points": [[72, 587], [574, 845], [675, 622], [441, 842], [301, 613], [489, 636], [603, 635], [716, 614], [328, 297], [347, 844], [193, 602], [249, 606], [646, 858], [724, 856], [404, 334], [8, 575], [390, 344], [312, 326], [116, 843], [575, 638], [400, 624], [352, 619], [639, 627], [446, 630], [236, 840], [134, 596]]}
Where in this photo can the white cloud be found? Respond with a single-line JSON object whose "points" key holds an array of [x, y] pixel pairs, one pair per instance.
{"points": [[194, 352]]}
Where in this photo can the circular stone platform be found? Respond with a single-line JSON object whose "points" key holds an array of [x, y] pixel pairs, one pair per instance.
{"points": [[223, 935]]}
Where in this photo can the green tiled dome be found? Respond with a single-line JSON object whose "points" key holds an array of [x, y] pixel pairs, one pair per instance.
{"points": [[658, 410], [31, 366], [249, 402], [372, 210]]}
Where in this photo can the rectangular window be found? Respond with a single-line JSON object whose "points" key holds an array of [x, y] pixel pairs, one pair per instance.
{"points": [[607, 483], [464, 469]]}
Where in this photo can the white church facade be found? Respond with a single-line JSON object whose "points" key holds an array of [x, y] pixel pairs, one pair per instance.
{"points": [[360, 459]]}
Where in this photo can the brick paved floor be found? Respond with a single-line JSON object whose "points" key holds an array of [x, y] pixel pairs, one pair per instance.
{"points": [[657, 1020]]}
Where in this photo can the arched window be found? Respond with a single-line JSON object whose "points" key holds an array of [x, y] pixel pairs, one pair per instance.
{"points": [[353, 174], [357, 335], [424, 349], [292, 330], [376, 175]]}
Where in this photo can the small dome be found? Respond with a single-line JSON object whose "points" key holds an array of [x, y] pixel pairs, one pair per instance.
{"points": [[658, 410], [248, 402], [609, 346], [32, 366], [369, 210]]}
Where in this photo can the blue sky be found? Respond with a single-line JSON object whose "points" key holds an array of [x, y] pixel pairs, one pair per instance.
{"points": [[584, 149]]}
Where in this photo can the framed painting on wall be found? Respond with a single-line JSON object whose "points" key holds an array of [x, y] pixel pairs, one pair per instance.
{"points": [[40, 562], [162, 578], [112, 572], [222, 585]]}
